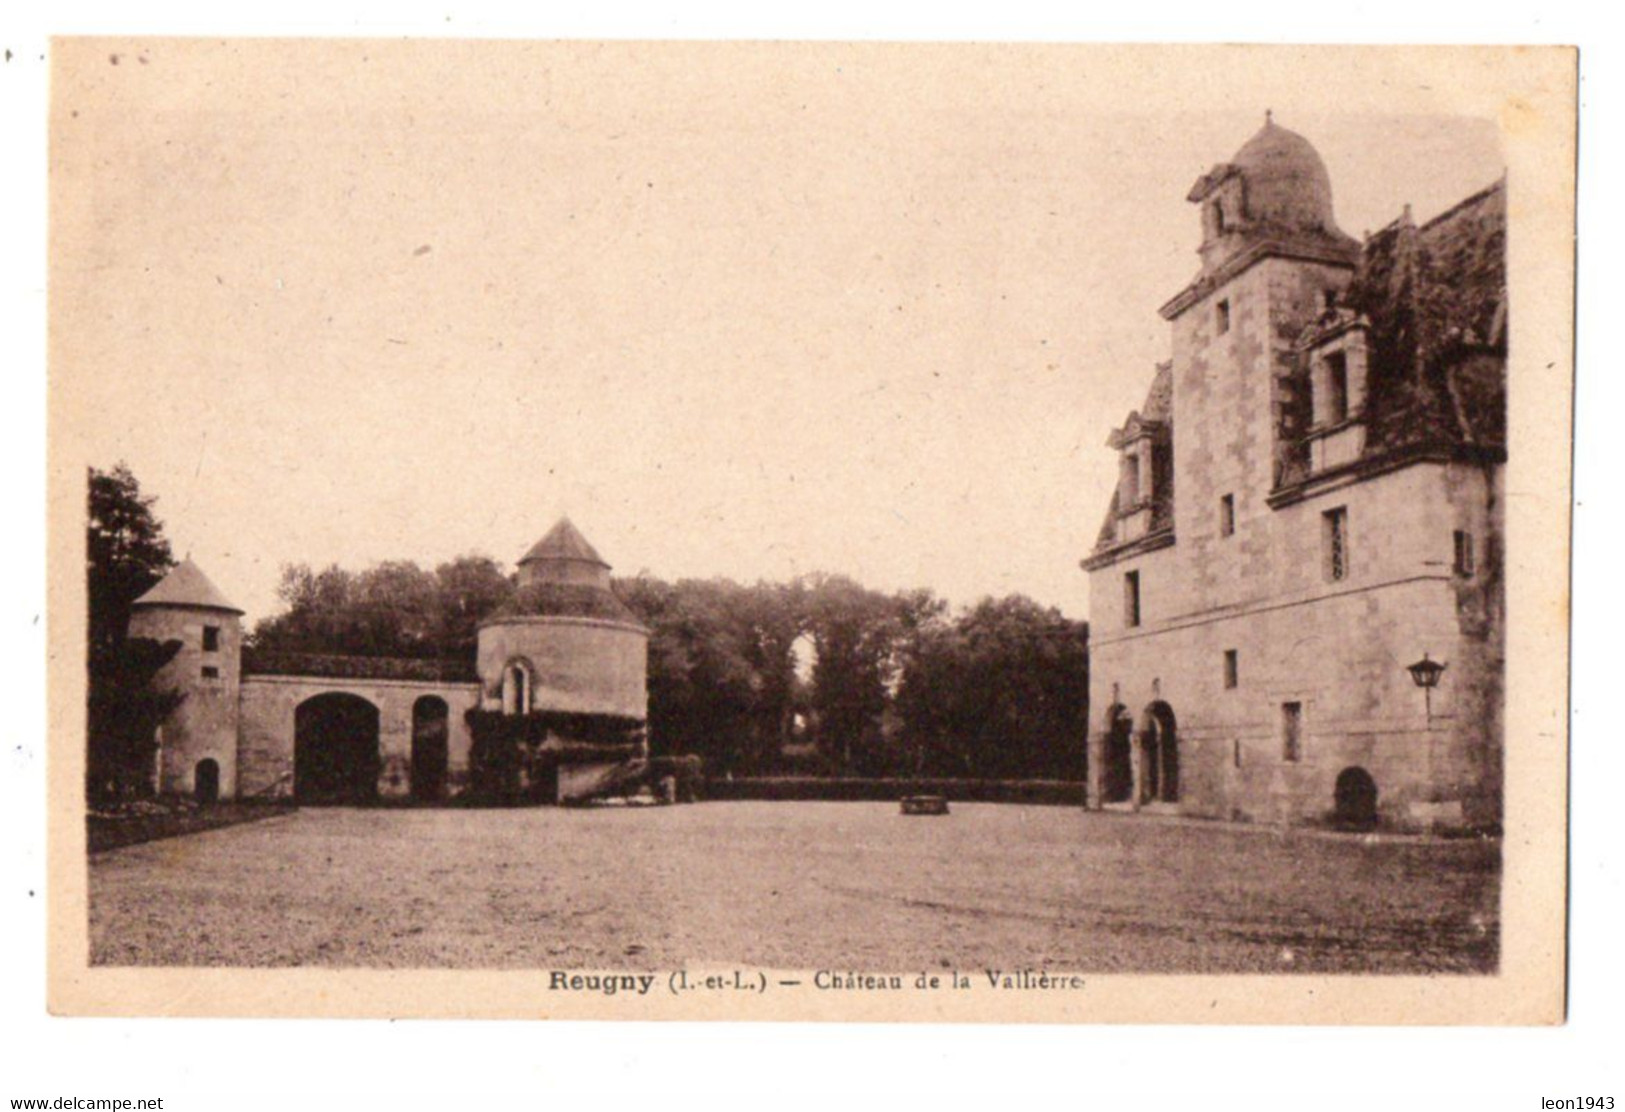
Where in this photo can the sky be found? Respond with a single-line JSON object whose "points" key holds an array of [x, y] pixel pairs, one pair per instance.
{"points": [[743, 311]]}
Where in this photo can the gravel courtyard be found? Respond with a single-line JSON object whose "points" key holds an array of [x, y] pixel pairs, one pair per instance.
{"points": [[794, 886]]}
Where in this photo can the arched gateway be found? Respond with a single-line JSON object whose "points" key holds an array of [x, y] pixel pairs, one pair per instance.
{"points": [[429, 731], [336, 758]]}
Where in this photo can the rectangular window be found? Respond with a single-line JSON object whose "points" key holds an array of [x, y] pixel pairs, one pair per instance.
{"points": [[1291, 731], [1235, 752], [1464, 553], [1334, 535], [1337, 388], [1232, 668], [1227, 515], [1131, 599], [211, 639], [1222, 316], [210, 672]]}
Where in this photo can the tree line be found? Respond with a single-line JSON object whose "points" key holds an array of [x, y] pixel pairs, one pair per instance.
{"points": [[817, 675]]}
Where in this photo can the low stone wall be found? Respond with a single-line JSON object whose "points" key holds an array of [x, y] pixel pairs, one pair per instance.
{"points": [[267, 743], [1058, 792]]}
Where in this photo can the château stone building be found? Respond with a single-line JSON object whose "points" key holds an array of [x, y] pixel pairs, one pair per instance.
{"points": [[1309, 503], [565, 653]]}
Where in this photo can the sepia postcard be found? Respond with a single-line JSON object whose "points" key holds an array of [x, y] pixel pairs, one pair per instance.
{"points": [[749, 531]]}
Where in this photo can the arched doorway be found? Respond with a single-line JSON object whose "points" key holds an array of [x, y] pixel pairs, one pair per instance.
{"points": [[1355, 798], [1159, 755], [1117, 769], [206, 780], [429, 719], [335, 749]]}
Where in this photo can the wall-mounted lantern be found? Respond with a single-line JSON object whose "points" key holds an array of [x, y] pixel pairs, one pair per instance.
{"points": [[1425, 674]]}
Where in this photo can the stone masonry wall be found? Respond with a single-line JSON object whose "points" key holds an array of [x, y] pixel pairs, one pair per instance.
{"points": [[579, 665], [1340, 649], [265, 753]]}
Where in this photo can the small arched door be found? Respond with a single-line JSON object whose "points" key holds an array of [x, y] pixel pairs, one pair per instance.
{"points": [[206, 780], [429, 729], [1355, 798]]}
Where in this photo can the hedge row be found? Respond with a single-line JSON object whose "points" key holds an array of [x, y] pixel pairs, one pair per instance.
{"points": [[1068, 792]]}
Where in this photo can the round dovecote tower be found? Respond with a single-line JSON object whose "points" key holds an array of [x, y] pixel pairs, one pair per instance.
{"points": [[565, 644], [197, 743]]}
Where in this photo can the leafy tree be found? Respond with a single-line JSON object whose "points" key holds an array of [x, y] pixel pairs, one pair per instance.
{"points": [[123, 715], [319, 615], [126, 555], [771, 618], [468, 590], [1001, 692], [855, 633], [392, 609], [704, 691]]}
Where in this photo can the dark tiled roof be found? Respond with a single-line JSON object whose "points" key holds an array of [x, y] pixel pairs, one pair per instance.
{"points": [[566, 600], [333, 666], [186, 585], [563, 542], [1435, 303]]}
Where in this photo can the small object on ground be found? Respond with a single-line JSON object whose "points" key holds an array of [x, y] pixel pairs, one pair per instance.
{"points": [[925, 805]]}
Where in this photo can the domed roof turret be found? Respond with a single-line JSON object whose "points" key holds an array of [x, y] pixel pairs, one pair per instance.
{"points": [[1287, 183], [186, 585], [1274, 198]]}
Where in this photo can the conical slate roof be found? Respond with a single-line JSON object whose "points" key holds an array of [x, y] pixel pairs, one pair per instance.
{"points": [[562, 576], [186, 585], [564, 542]]}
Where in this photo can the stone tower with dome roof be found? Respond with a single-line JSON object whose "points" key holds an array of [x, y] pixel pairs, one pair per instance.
{"points": [[1308, 503]]}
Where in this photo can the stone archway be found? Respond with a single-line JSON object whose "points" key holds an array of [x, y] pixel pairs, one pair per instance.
{"points": [[430, 717], [1117, 764], [1355, 798], [1159, 755], [335, 749]]}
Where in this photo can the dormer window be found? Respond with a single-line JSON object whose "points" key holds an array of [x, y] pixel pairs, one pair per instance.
{"points": [[1337, 378], [1334, 369], [1131, 479]]}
